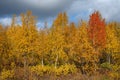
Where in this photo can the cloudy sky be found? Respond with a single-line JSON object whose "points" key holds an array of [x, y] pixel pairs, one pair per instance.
{"points": [[46, 10]]}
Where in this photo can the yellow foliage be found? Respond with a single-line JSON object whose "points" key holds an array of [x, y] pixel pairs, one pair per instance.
{"points": [[7, 74], [63, 69], [114, 73], [64, 46], [112, 44], [41, 70]]}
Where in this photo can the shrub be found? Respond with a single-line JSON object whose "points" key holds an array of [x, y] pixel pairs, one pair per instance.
{"points": [[40, 70], [7, 74], [63, 69], [114, 70], [106, 65]]}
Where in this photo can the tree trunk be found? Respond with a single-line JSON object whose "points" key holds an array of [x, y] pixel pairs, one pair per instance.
{"points": [[25, 66], [109, 59], [42, 62], [56, 61]]}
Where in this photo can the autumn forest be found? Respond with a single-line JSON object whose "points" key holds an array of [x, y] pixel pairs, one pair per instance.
{"points": [[64, 51]]}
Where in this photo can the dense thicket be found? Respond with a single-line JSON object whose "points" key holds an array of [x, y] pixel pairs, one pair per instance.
{"points": [[88, 48]]}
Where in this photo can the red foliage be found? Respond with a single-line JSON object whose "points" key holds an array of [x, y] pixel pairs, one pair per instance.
{"points": [[96, 30]]}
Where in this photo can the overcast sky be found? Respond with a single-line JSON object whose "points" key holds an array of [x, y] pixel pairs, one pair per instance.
{"points": [[46, 10]]}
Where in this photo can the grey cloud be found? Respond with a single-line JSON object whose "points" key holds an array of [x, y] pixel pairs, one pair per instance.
{"points": [[109, 9], [41, 8], [48, 9]]}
